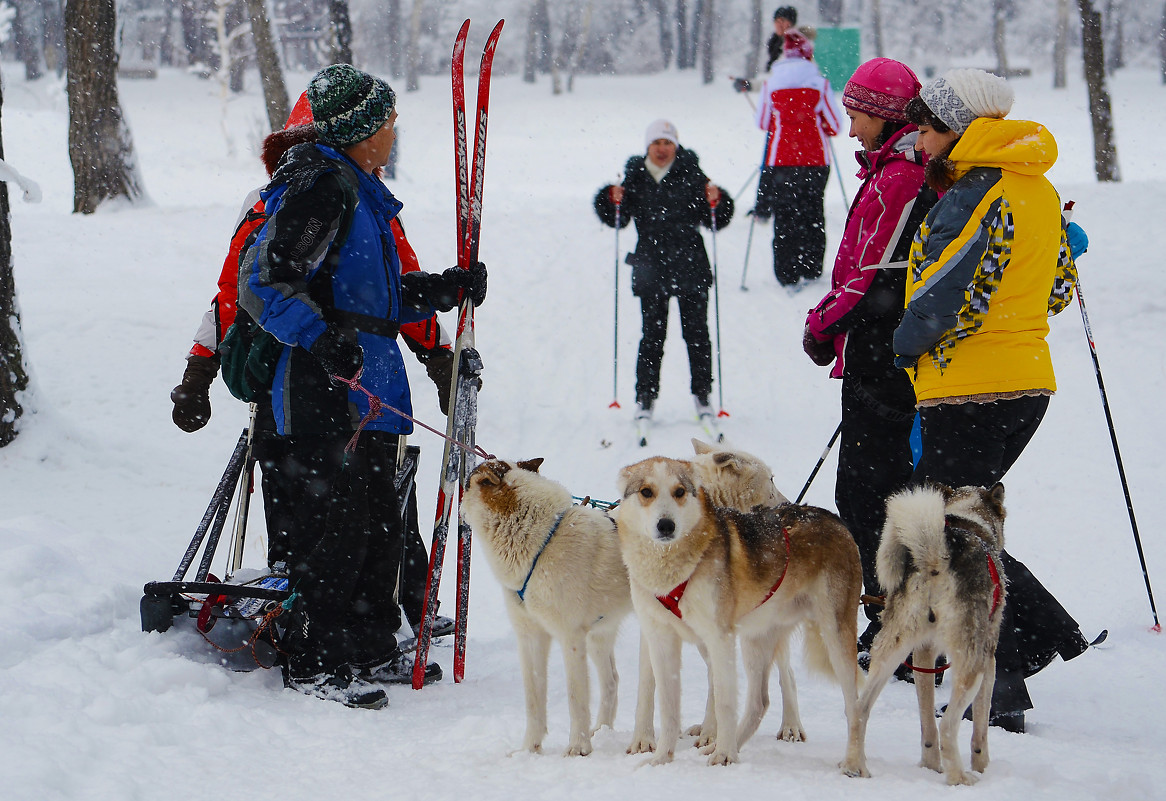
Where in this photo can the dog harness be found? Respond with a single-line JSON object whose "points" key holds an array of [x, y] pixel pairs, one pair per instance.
{"points": [[529, 573], [997, 590], [671, 601]]}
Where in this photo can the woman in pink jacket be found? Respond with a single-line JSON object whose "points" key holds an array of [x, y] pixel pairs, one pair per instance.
{"points": [[851, 328]]}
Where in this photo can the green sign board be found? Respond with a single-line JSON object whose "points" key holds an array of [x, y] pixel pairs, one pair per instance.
{"points": [[837, 52]]}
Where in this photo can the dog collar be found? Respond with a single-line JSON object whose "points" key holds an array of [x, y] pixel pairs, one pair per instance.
{"points": [[671, 601], [529, 573]]}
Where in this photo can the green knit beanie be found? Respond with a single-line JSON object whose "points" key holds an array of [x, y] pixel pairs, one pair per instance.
{"points": [[348, 105]]}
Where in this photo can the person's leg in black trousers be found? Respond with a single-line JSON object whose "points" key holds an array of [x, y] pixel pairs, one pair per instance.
{"points": [[342, 551], [874, 462], [654, 314], [799, 223], [694, 325], [976, 444]]}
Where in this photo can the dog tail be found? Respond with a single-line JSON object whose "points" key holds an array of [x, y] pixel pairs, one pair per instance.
{"points": [[817, 657], [912, 537]]}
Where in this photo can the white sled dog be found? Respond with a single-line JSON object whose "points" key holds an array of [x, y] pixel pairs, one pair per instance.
{"points": [[560, 566], [939, 561], [705, 573]]}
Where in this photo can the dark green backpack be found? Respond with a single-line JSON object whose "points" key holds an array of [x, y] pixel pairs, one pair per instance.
{"points": [[248, 356]]}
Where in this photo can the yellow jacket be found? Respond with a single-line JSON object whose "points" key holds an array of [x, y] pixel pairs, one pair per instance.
{"points": [[988, 266]]}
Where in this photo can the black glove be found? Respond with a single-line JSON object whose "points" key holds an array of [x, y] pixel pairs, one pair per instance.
{"points": [[443, 290], [192, 401], [741, 85], [439, 366], [472, 280], [820, 353], [338, 355]]}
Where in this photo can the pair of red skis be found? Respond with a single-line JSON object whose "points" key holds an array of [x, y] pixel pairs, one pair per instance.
{"points": [[457, 460]]}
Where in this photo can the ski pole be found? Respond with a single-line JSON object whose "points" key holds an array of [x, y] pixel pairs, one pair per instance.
{"points": [[838, 172], [615, 336], [818, 466], [748, 181], [1113, 439], [748, 247], [717, 307]]}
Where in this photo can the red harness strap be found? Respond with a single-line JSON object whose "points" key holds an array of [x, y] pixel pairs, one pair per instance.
{"points": [[671, 601], [996, 589]]}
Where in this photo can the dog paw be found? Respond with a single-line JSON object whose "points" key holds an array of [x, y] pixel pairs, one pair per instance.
{"points": [[693, 731], [792, 734], [578, 749], [854, 770], [705, 742], [723, 758], [660, 759], [642, 745], [930, 761], [960, 777]]}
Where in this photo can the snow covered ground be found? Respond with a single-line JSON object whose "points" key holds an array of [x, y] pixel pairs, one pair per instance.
{"points": [[101, 493]]}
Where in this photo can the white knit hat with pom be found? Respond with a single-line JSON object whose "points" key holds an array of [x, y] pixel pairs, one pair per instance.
{"points": [[961, 96]]}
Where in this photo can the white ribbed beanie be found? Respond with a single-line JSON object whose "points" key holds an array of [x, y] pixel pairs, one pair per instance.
{"points": [[961, 96]]}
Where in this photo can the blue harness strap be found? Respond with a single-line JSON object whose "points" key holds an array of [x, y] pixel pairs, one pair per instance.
{"points": [[529, 573]]}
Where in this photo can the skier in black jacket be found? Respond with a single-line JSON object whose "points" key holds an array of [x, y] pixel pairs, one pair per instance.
{"points": [[669, 197]]}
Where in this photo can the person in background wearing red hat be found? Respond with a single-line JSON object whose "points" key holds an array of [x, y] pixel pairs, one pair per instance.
{"points": [[797, 111], [852, 327]]}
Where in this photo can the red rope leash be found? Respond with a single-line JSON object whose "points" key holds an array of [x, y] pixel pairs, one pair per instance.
{"points": [[377, 407]]}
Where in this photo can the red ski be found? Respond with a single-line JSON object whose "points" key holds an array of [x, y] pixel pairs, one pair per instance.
{"points": [[456, 460]]}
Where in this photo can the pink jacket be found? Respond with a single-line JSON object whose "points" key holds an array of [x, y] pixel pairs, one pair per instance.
{"points": [[865, 302]]}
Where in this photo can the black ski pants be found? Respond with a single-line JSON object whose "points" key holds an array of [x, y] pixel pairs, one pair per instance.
{"points": [[344, 550], [874, 460], [799, 222], [976, 443], [695, 330]]}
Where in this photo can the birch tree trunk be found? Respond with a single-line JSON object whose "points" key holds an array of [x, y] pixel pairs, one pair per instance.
{"points": [[13, 376], [100, 148], [270, 70], [1100, 108], [1061, 46]]}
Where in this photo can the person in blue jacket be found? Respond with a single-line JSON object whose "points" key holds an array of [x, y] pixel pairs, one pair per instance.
{"points": [[323, 276]]}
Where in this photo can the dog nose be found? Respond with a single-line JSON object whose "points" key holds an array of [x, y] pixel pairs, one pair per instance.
{"points": [[666, 528]]}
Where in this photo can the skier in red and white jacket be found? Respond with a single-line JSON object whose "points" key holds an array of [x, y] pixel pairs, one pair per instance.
{"points": [[798, 112]]}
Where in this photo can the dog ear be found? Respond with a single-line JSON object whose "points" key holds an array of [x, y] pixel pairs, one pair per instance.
{"points": [[624, 480], [531, 464], [996, 497], [947, 492], [699, 447], [726, 459]]}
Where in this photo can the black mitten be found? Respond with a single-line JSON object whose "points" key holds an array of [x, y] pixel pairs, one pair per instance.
{"points": [[339, 355], [821, 353], [192, 402], [472, 280], [443, 290]]}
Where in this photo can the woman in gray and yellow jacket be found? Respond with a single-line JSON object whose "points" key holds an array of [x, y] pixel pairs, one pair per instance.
{"points": [[989, 265]]}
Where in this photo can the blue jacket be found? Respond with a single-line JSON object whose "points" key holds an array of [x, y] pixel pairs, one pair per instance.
{"points": [[326, 255]]}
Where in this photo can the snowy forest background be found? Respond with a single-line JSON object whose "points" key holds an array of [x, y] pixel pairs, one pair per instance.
{"points": [[99, 492], [409, 38]]}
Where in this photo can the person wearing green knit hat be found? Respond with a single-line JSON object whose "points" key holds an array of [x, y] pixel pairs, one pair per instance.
{"points": [[324, 277]]}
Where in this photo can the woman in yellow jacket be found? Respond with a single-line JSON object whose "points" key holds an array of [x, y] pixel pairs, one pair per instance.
{"points": [[989, 265]]}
